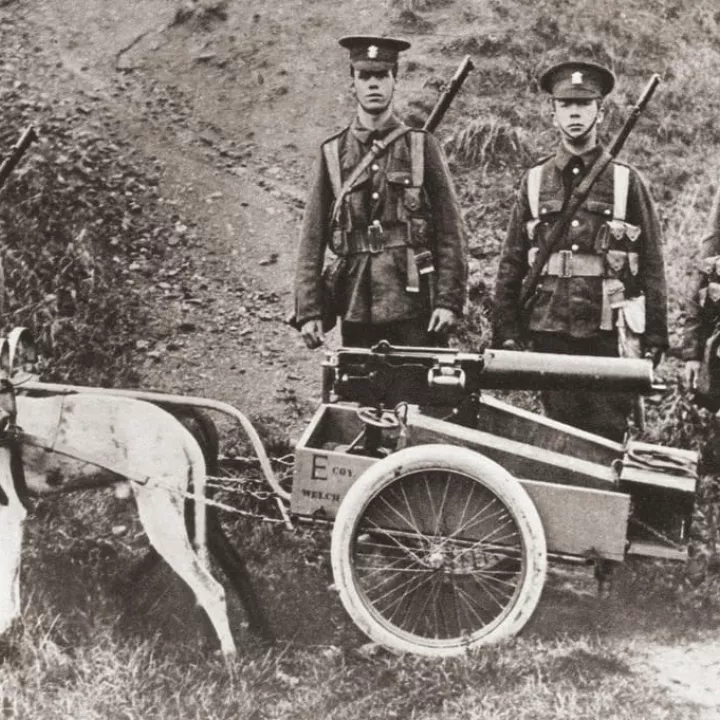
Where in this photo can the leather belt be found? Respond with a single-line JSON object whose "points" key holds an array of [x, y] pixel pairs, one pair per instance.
{"points": [[567, 264], [376, 239]]}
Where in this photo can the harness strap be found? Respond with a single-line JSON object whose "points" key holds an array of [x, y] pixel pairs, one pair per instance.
{"points": [[331, 153], [533, 190], [50, 445], [417, 157], [417, 175], [621, 184]]}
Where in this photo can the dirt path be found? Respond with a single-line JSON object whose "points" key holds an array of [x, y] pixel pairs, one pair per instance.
{"points": [[690, 672]]}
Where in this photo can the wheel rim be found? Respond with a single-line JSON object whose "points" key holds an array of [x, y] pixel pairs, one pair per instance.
{"points": [[438, 557]]}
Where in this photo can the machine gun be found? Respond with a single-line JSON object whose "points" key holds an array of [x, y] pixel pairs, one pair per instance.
{"points": [[386, 375]]}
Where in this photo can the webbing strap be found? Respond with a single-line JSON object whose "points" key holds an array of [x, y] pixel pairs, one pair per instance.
{"points": [[50, 444], [621, 183], [331, 152], [534, 180], [378, 147], [417, 158]]}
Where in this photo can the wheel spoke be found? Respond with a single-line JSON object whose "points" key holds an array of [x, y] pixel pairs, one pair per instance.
{"points": [[396, 540], [407, 589], [435, 551], [409, 522]]}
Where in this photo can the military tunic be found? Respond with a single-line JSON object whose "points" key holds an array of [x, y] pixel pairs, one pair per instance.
{"points": [[374, 290], [693, 330], [566, 312]]}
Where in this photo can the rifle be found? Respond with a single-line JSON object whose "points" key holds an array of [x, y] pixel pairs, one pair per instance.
{"points": [[580, 195], [28, 137], [445, 100]]}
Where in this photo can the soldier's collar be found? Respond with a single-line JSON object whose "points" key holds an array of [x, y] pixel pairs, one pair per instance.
{"points": [[563, 157], [363, 133]]}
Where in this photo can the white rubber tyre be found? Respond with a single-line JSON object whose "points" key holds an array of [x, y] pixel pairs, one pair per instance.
{"points": [[436, 550]]}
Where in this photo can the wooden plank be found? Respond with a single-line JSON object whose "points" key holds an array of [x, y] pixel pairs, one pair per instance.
{"points": [[518, 458], [657, 550], [499, 418], [581, 521]]}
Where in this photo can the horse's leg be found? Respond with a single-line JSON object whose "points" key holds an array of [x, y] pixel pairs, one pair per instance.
{"points": [[12, 519], [237, 573], [162, 515]]}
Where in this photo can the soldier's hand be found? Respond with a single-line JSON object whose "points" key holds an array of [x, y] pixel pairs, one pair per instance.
{"points": [[442, 320], [511, 344], [655, 354], [312, 333], [692, 368]]}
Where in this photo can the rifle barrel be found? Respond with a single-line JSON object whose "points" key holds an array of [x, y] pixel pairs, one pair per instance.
{"points": [[438, 112]]}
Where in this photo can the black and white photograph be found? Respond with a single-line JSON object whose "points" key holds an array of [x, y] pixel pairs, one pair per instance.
{"points": [[360, 360]]}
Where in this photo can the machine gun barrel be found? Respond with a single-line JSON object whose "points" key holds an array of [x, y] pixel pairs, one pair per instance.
{"points": [[441, 376], [512, 370]]}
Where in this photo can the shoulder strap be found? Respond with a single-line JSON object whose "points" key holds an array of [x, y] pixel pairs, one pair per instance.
{"points": [[417, 157], [331, 153], [621, 183], [378, 147], [533, 190]]}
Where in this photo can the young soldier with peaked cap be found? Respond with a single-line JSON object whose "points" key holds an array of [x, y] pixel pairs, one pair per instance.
{"points": [[611, 254], [396, 229]]}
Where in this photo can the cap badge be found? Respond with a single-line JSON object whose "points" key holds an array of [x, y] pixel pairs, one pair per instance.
{"points": [[372, 51], [576, 78]]}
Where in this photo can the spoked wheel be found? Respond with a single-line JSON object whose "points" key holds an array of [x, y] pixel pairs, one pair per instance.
{"points": [[436, 550]]}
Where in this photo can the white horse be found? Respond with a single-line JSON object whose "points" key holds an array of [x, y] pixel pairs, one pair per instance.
{"points": [[69, 442]]}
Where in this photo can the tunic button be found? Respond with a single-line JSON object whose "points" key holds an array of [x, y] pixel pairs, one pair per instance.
{"points": [[576, 170], [575, 223], [575, 248], [374, 167], [375, 196]]}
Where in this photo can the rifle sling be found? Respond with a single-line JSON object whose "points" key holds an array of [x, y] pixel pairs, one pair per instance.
{"points": [[378, 147]]}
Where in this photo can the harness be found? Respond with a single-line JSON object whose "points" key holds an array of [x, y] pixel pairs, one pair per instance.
{"points": [[566, 263], [606, 263], [376, 239]]}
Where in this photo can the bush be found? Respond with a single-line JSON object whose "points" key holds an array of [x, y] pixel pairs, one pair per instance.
{"points": [[75, 216]]}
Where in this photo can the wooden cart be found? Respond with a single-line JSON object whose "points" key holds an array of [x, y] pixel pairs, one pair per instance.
{"points": [[446, 502]]}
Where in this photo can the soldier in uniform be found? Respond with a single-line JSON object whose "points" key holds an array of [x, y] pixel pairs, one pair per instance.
{"points": [[706, 281], [606, 271], [391, 218]]}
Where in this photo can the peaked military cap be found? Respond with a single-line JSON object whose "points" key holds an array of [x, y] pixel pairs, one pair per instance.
{"points": [[368, 52], [576, 80]]}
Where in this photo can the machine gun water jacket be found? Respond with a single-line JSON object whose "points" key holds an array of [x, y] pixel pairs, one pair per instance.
{"points": [[571, 297], [385, 220]]}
